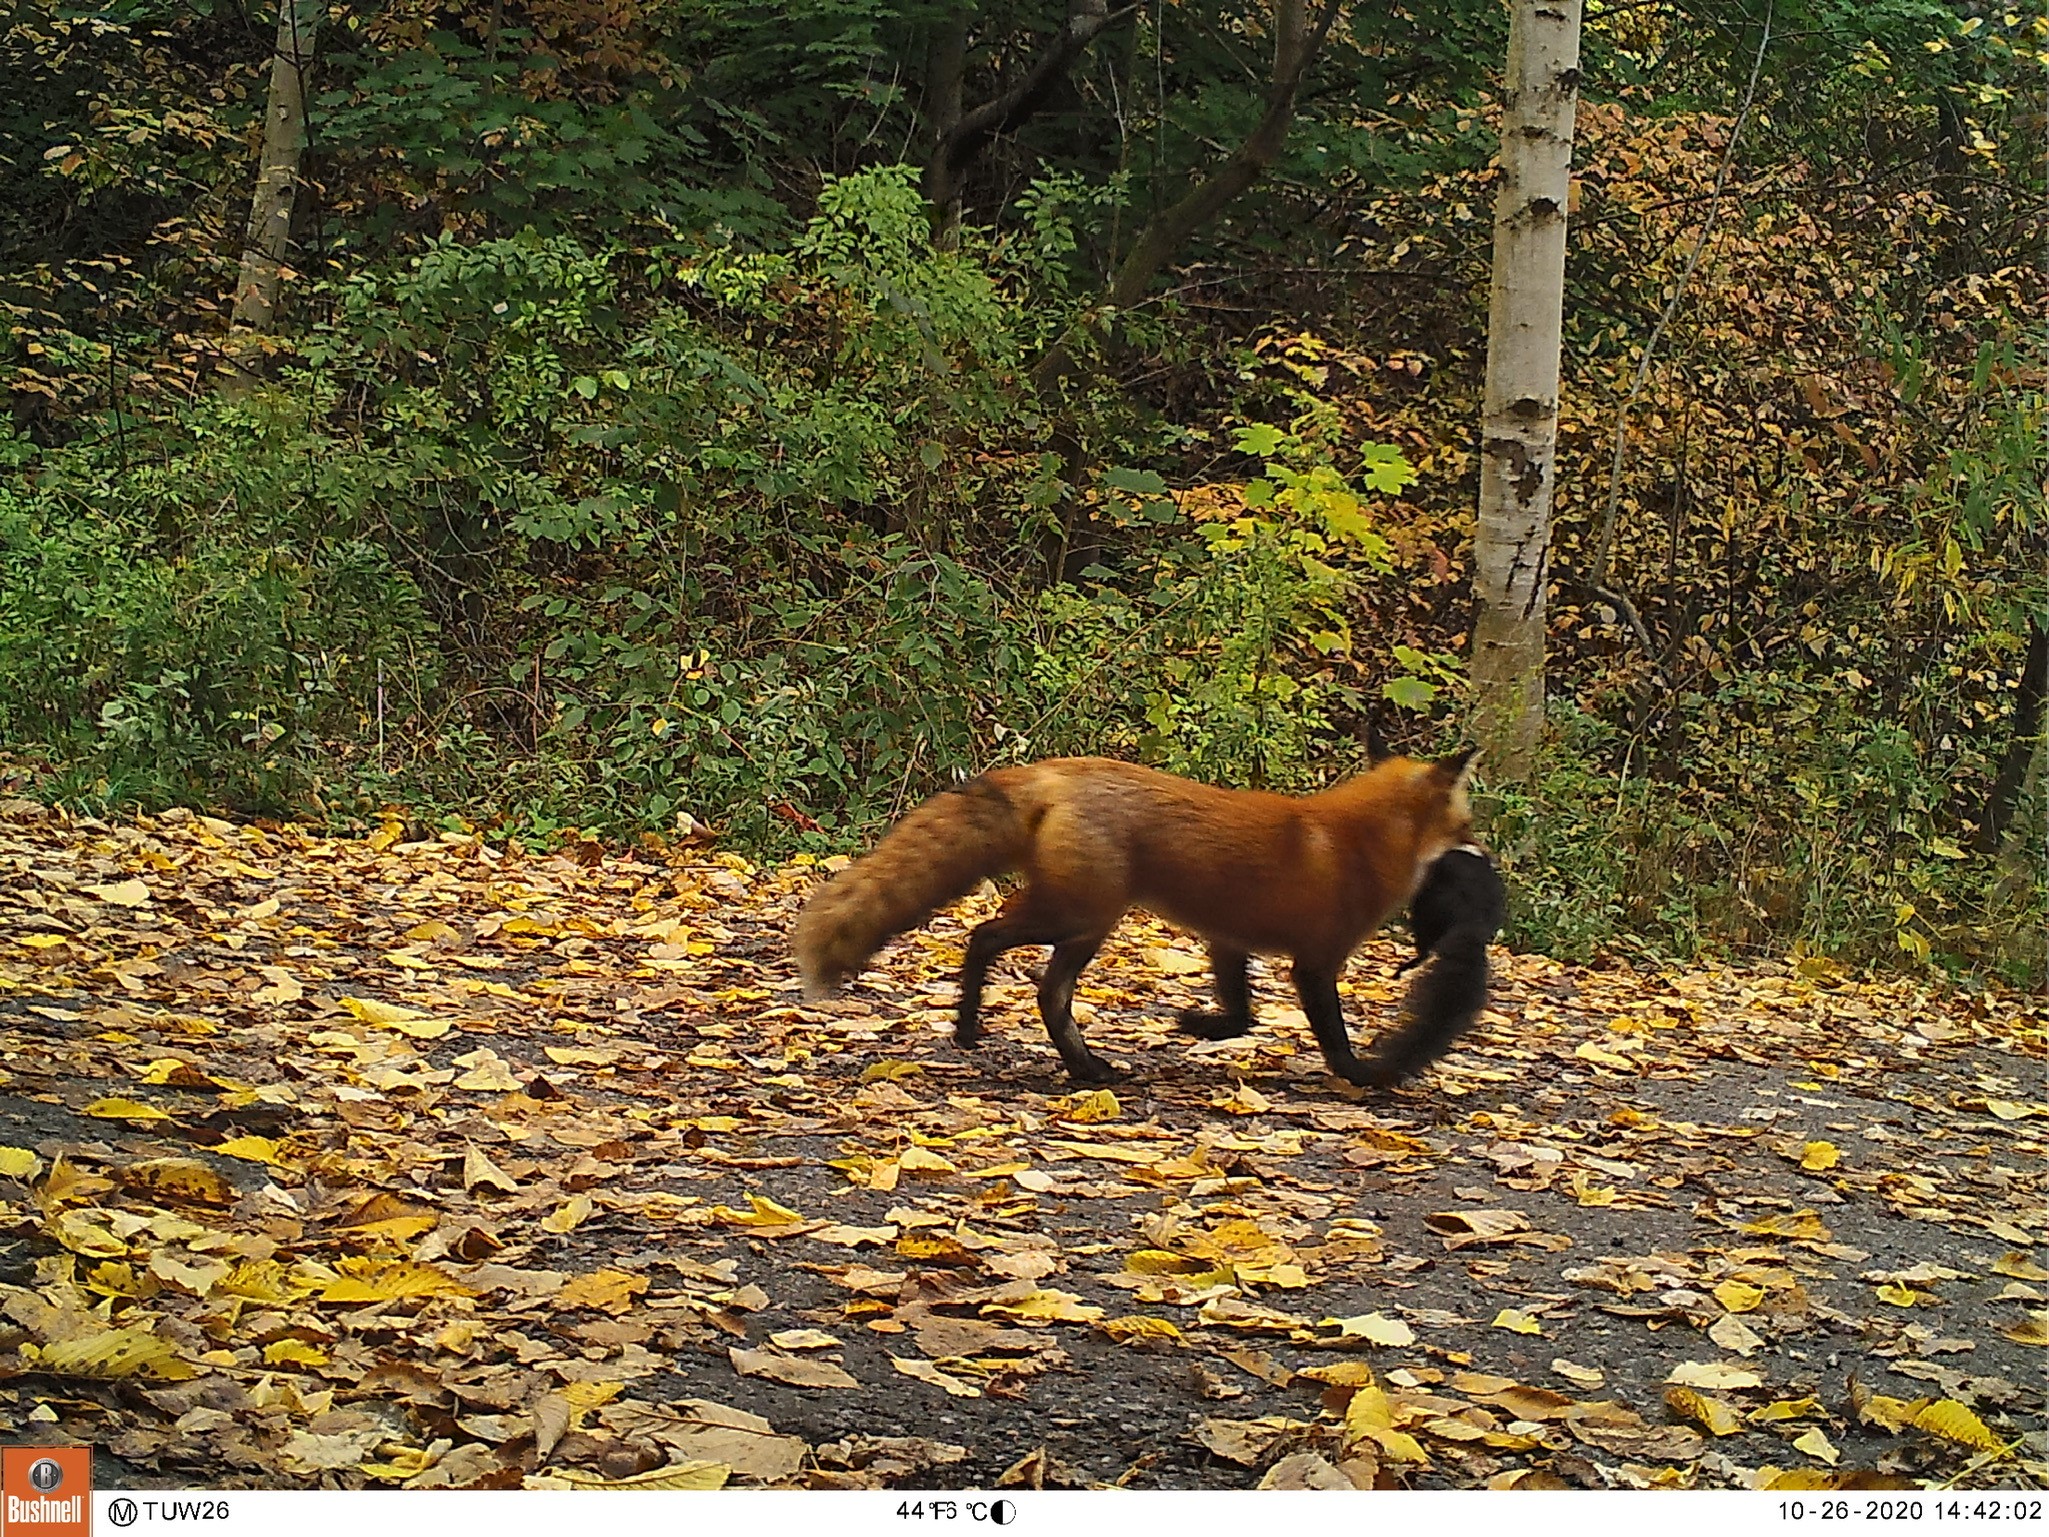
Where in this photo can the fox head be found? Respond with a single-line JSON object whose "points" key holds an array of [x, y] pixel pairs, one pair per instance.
{"points": [[1446, 815]]}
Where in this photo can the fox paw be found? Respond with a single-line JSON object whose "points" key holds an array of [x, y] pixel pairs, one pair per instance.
{"points": [[1093, 1069], [967, 1035], [1364, 1075], [1209, 1026]]}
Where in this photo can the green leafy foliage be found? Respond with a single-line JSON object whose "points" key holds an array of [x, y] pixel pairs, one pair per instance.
{"points": [[630, 452], [205, 626]]}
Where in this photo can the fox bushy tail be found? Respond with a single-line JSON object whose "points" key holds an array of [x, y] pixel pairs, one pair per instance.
{"points": [[936, 853], [1444, 1001]]}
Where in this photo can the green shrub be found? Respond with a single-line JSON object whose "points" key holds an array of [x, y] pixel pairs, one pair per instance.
{"points": [[1788, 819], [207, 626]]}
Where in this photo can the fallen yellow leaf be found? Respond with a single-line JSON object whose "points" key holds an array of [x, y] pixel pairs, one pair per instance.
{"points": [[581, 1056], [87, 1232], [125, 1110], [174, 1070], [925, 1371], [128, 893], [2031, 1330], [1953, 1422], [1600, 1056], [1375, 1329], [264, 1281], [2012, 1110], [373, 1280], [892, 1069], [19, 1163], [677, 1475], [374, 1011], [1799, 1224], [179, 1179], [1786, 1409], [478, 1169], [1088, 1109], [1713, 1415], [2013, 1264], [293, 1352], [568, 1216], [1733, 1334], [1046, 1306], [1713, 1374], [761, 1212], [1110, 1152], [113, 1353], [1818, 1446], [1739, 1296], [488, 1072], [1139, 1328], [1819, 1156], [606, 1291]]}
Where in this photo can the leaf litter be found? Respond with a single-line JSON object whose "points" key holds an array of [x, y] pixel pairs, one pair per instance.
{"points": [[419, 1162]]}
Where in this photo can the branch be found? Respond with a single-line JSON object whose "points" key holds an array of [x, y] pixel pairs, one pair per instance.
{"points": [[1597, 573], [1295, 48], [959, 141]]}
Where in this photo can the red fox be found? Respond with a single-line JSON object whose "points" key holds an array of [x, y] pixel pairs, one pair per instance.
{"points": [[1251, 872]]}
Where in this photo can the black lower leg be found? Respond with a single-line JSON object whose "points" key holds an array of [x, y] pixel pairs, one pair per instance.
{"points": [[1234, 993], [1056, 1007], [988, 941], [1318, 991]]}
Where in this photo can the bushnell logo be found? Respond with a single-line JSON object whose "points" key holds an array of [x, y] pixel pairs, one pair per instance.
{"points": [[46, 1491]]}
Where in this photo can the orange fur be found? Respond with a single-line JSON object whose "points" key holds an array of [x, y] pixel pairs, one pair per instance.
{"points": [[1253, 873]]}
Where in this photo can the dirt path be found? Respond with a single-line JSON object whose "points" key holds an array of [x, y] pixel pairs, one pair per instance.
{"points": [[417, 1162]]}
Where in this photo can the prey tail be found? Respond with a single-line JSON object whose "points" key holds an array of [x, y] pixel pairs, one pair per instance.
{"points": [[1442, 1005], [936, 853]]}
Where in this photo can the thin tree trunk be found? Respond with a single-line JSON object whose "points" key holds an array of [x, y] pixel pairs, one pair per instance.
{"points": [[268, 237], [2021, 851], [1519, 421], [2033, 689], [1295, 47], [946, 63]]}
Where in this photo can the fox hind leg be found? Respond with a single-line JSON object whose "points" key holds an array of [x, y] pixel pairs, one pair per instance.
{"points": [[1234, 993], [1012, 927]]}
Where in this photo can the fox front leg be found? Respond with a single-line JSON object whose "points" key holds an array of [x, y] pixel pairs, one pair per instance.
{"points": [[1318, 990]]}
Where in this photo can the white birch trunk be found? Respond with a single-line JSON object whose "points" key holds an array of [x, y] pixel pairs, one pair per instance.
{"points": [[1519, 422], [277, 179]]}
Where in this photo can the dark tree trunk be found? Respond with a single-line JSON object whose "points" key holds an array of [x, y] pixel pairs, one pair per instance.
{"points": [[946, 64], [2004, 798]]}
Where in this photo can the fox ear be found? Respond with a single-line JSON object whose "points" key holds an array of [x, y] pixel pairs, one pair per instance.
{"points": [[1457, 770]]}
